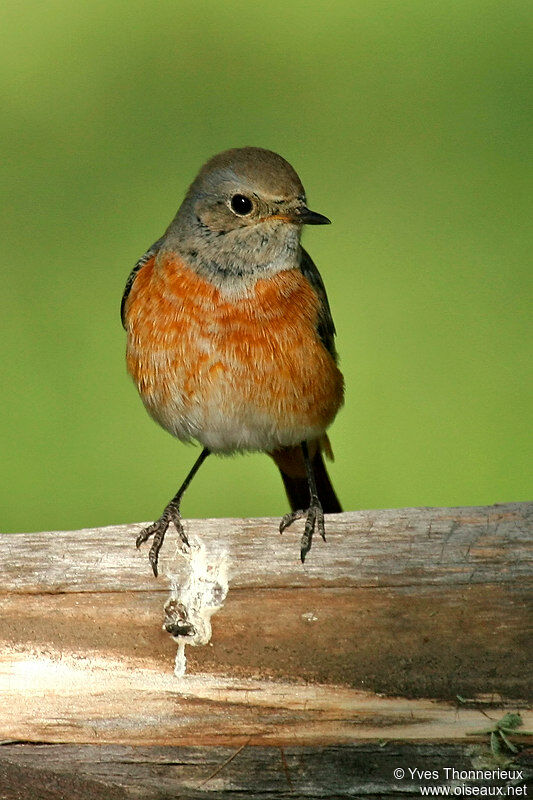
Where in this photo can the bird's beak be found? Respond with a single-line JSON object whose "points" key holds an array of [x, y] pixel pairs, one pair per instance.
{"points": [[303, 216], [307, 217]]}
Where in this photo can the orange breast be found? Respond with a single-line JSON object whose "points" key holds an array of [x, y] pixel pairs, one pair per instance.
{"points": [[205, 362]]}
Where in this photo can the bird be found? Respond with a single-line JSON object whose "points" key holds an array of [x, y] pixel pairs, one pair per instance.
{"points": [[230, 337]]}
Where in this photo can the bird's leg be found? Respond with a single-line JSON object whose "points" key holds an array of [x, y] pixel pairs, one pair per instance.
{"points": [[170, 514], [314, 514]]}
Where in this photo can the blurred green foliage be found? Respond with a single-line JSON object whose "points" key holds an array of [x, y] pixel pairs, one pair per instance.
{"points": [[408, 123]]}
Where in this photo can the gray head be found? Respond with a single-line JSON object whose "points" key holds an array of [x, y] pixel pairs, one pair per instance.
{"points": [[242, 216]]}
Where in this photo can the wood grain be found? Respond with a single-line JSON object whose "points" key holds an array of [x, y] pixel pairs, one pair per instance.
{"points": [[408, 547], [373, 638], [57, 772]]}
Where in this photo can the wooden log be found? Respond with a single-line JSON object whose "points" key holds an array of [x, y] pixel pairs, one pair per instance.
{"points": [[372, 640], [57, 772]]}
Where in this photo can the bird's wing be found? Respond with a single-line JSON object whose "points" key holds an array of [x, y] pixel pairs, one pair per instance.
{"points": [[326, 327], [133, 274]]}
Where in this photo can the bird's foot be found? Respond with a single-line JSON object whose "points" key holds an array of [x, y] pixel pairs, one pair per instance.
{"points": [[314, 519], [158, 530]]}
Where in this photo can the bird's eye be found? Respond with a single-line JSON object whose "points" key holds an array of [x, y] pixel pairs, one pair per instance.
{"points": [[241, 205]]}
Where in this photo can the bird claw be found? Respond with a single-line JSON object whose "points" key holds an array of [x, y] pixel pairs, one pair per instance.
{"points": [[158, 530], [288, 519], [314, 519]]}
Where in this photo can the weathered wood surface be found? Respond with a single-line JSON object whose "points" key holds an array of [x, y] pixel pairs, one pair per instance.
{"points": [[61, 772], [410, 547], [371, 639]]}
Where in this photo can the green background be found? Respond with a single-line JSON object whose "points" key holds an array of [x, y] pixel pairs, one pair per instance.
{"points": [[407, 122]]}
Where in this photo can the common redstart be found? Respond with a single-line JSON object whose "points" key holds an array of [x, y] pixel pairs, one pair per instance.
{"points": [[230, 334]]}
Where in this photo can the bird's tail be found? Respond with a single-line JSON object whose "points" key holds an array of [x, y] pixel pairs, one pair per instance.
{"points": [[290, 462]]}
